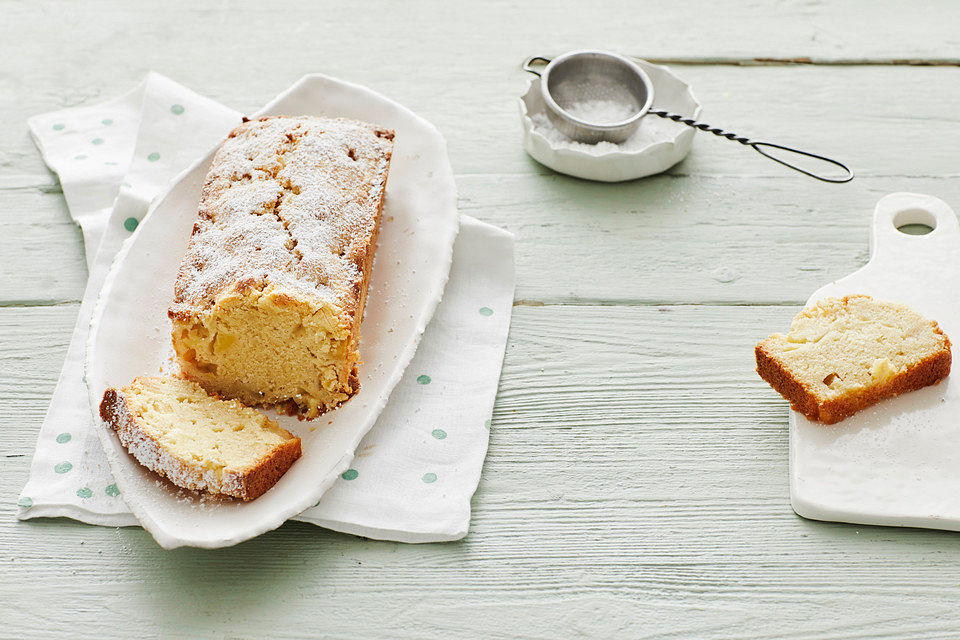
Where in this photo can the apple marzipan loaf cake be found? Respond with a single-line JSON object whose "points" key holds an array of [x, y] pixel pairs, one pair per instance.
{"points": [[844, 354], [270, 294], [198, 441]]}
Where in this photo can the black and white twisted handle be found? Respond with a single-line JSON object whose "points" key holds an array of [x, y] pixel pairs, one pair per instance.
{"points": [[760, 147]]}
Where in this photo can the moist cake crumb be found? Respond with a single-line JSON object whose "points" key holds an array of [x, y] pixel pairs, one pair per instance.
{"points": [[271, 291], [198, 441], [844, 354]]}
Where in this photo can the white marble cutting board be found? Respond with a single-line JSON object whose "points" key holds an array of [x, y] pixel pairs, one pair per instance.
{"points": [[898, 462]]}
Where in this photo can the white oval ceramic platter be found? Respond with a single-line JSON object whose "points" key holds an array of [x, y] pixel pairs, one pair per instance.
{"points": [[898, 462], [671, 141], [130, 332]]}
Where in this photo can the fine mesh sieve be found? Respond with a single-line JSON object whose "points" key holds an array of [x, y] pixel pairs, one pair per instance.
{"points": [[577, 81], [595, 96]]}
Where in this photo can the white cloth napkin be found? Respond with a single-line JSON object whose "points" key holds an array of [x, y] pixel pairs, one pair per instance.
{"points": [[415, 471]]}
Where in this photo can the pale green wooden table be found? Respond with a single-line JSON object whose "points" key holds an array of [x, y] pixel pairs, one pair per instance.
{"points": [[636, 485]]}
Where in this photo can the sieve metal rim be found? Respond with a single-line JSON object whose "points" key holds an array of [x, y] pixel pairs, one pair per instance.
{"points": [[558, 110]]}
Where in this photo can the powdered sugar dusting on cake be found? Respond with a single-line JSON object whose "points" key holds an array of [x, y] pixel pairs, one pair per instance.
{"points": [[287, 202]]}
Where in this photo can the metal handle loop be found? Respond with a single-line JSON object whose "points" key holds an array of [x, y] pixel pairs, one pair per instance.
{"points": [[846, 178], [758, 147], [528, 64]]}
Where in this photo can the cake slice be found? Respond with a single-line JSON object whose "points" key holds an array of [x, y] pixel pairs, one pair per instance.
{"points": [[270, 294], [198, 441], [844, 354]]}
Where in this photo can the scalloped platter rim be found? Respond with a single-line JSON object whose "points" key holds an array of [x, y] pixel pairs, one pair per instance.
{"points": [[129, 332]]}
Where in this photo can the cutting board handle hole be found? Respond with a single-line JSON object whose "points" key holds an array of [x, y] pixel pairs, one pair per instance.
{"points": [[914, 222]]}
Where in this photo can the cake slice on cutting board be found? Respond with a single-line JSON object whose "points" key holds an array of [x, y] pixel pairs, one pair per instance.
{"points": [[844, 354], [198, 441]]}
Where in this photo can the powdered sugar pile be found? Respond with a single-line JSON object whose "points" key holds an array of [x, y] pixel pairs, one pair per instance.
{"points": [[600, 111], [652, 129]]}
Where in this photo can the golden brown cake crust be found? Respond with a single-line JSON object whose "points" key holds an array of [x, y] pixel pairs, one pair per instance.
{"points": [[929, 371], [291, 210], [116, 411], [255, 482]]}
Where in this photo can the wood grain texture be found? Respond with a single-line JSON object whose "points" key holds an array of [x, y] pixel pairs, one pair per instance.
{"points": [[41, 249], [457, 64], [635, 487], [708, 239], [636, 484], [856, 113]]}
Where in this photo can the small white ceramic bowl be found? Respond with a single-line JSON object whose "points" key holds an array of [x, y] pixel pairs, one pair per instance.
{"points": [[657, 145]]}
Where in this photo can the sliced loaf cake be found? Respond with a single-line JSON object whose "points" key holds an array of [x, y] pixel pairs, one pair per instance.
{"points": [[198, 441]]}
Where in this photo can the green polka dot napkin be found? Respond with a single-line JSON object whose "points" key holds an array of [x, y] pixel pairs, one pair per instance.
{"points": [[415, 471]]}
